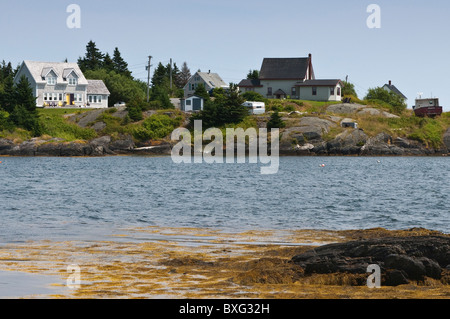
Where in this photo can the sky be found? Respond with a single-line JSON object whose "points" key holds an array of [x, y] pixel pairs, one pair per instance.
{"points": [[410, 48]]}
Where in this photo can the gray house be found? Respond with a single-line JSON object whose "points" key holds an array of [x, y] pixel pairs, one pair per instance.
{"points": [[392, 88], [292, 78], [209, 80], [60, 84]]}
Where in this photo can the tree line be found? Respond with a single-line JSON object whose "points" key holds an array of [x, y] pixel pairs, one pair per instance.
{"points": [[17, 102]]}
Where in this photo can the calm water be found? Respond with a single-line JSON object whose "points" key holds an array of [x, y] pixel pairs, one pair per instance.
{"points": [[90, 198]]}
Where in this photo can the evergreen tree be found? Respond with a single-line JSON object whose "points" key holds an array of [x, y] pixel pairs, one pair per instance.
{"points": [[93, 59], [108, 63], [201, 92], [253, 75], [160, 76], [120, 66], [185, 75], [275, 122], [8, 97], [24, 113], [226, 108], [160, 95]]}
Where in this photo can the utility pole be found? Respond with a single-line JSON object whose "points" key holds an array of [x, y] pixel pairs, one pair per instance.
{"points": [[148, 81], [171, 74]]}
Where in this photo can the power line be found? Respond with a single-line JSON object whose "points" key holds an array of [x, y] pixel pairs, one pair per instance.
{"points": [[148, 78]]}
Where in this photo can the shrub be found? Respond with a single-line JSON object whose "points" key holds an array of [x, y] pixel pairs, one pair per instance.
{"points": [[157, 126]]}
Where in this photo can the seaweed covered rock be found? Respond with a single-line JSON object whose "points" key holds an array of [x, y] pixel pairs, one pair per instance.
{"points": [[401, 258]]}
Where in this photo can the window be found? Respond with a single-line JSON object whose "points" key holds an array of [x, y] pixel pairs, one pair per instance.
{"points": [[188, 102], [51, 80], [314, 91], [73, 81], [60, 97], [269, 91], [93, 98], [45, 97], [332, 91], [55, 96], [294, 91], [339, 91]]}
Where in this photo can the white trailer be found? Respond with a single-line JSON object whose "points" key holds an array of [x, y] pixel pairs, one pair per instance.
{"points": [[255, 107]]}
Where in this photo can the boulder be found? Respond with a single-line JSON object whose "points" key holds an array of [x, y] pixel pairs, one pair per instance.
{"points": [[123, 145], [74, 149], [345, 108], [6, 146], [349, 142], [400, 258], [49, 149]]}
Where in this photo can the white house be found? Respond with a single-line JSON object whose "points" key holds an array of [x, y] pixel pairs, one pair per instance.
{"points": [[209, 80], [292, 78], [60, 84], [192, 104]]}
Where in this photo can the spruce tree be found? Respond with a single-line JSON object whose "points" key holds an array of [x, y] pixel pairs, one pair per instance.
{"points": [[185, 75], [120, 66], [108, 63], [93, 59], [8, 97], [24, 113]]}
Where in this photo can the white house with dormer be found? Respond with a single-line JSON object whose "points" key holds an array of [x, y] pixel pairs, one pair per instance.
{"points": [[209, 80], [61, 84]]}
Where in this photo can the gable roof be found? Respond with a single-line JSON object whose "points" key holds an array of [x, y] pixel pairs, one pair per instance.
{"points": [[38, 70], [212, 79], [249, 83], [319, 83], [97, 87], [393, 88], [285, 68]]}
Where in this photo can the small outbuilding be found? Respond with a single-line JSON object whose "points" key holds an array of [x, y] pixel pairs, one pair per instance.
{"points": [[192, 104]]}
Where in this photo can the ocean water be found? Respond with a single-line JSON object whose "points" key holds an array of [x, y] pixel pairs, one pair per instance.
{"points": [[93, 198]]}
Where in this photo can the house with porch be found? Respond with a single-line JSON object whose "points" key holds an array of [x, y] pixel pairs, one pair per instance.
{"points": [[61, 84], [294, 78]]}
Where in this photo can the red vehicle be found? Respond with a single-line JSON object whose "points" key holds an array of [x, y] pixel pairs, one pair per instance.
{"points": [[427, 107]]}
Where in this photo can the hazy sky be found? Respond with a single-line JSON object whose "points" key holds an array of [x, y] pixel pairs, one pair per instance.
{"points": [[231, 37]]}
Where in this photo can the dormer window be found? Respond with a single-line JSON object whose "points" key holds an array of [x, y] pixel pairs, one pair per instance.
{"points": [[73, 81], [51, 80]]}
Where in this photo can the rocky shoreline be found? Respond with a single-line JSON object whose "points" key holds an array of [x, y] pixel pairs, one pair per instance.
{"points": [[305, 136], [350, 143]]}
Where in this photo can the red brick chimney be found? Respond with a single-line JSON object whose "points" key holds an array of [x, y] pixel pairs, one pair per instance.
{"points": [[390, 83], [310, 67]]}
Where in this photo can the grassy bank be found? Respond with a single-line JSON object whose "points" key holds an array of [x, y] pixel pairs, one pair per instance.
{"points": [[65, 124]]}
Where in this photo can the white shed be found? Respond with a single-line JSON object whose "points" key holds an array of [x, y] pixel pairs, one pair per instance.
{"points": [[192, 104]]}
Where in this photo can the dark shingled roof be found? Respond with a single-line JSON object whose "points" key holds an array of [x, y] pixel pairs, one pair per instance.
{"points": [[284, 68], [249, 83], [319, 83], [395, 90]]}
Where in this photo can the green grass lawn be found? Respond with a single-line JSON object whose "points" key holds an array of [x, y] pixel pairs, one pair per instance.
{"points": [[55, 124]]}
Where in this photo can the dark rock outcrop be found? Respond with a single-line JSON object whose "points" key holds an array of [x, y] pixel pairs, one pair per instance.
{"points": [[401, 258]]}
